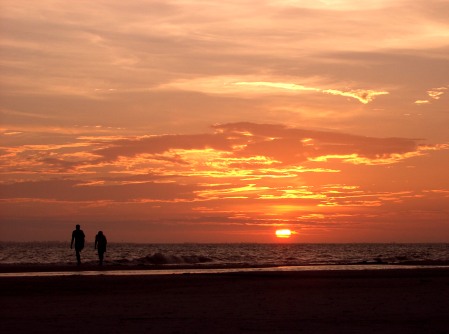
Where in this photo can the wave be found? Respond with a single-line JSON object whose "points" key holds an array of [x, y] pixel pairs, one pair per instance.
{"points": [[161, 259], [165, 259]]}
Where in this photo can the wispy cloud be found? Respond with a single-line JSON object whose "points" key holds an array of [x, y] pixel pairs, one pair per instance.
{"points": [[234, 150], [433, 94], [232, 85], [362, 95]]}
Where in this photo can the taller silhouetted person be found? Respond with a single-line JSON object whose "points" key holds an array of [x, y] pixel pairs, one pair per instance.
{"points": [[100, 245], [78, 236]]}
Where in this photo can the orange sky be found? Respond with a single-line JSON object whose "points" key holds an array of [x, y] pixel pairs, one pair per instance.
{"points": [[206, 121]]}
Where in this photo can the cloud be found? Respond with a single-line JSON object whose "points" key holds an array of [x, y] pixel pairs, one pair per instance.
{"points": [[241, 151], [161, 144], [293, 146], [362, 95], [249, 144], [78, 191], [236, 152], [233, 85], [434, 94], [239, 176], [422, 102]]}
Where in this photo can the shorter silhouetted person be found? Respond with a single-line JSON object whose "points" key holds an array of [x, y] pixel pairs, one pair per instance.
{"points": [[78, 237], [100, 245]]}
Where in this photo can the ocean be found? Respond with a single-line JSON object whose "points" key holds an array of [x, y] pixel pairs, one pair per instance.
{"points": [[224, 256]]}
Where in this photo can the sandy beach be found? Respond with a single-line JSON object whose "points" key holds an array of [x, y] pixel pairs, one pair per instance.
{"points": [[378, 301]]}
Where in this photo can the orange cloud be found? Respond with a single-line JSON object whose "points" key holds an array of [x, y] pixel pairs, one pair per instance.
{"points": [[433, 94], [362, 95], [235, 150], [242, 174]]}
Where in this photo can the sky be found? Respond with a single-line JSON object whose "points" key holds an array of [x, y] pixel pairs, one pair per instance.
{"points": [[224, 121]]}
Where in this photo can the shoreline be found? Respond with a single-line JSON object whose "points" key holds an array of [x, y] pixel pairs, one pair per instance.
{"points": [[19, 270]]}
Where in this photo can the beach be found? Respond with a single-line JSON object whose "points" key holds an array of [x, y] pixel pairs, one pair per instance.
{"points": [[366, 301]]}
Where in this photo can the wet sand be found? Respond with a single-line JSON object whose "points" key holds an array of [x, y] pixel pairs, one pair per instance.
{"points": [[378, 301]]}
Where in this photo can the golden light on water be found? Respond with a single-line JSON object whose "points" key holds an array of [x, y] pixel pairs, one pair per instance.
{"points": [[284, 233]]}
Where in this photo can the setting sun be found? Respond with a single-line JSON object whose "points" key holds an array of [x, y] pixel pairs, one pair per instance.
{"points": [[283, 233]]}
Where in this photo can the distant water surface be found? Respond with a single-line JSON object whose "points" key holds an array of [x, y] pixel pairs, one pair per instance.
{"points": [[228, 255]]}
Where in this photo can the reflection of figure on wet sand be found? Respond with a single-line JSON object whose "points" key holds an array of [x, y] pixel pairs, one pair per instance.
{"points": [[78, 237], [100, 244]]}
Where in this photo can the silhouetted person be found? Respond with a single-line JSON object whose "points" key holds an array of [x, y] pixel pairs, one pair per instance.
{"points": [[78, 237], [100, 244]]}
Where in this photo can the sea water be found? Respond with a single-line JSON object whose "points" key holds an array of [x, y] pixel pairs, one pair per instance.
{"points": [[203, 256]]}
